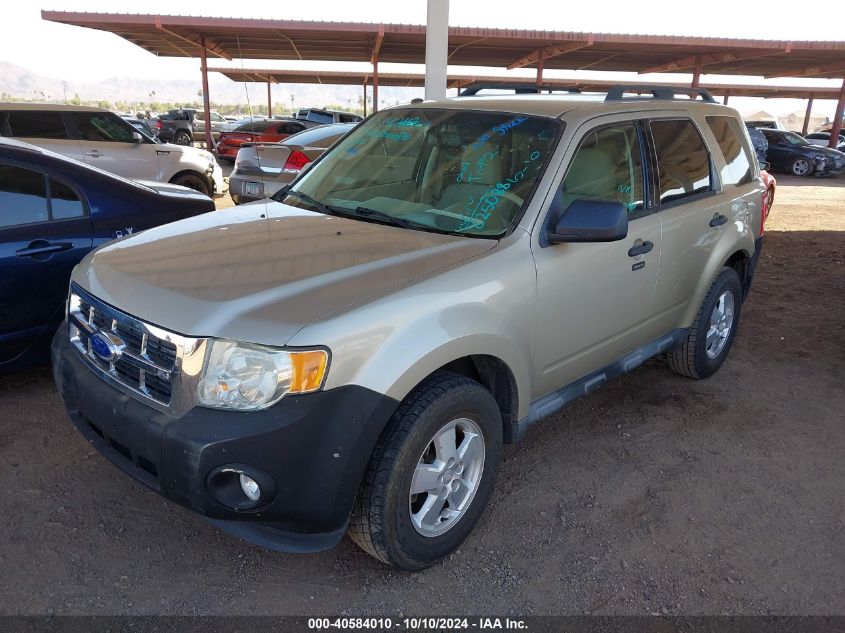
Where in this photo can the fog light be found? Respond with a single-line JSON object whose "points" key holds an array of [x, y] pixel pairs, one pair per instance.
{"points": [[250, 487]]}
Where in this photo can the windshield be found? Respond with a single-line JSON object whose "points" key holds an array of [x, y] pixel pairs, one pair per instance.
{"points": [[455, 171]]}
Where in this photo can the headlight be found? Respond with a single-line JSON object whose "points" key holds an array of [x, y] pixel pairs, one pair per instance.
{"points": [[251, 377]]}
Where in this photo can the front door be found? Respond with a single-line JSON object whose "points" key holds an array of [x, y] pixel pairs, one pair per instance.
{"points": [[108, 142], [45, 230], [594, 299]]}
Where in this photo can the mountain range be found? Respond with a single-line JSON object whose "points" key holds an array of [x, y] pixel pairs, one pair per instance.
{"points": [[20, 83]]}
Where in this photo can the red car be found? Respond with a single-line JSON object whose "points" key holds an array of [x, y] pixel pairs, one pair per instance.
{"points": [[269, 131]]}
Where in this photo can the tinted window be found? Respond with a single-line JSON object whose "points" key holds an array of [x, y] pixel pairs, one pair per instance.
{"points": [[737, 169], [23, 196], [290, 128], [349, 118], [320, 117], [683, 164], [64, 203], [607, 166], [102, 126], [27, 124], [319, 136]]}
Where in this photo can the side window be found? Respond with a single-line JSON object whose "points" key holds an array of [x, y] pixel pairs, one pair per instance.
{"points": [[683, 164], [607, 166], [23, 196], [737, 169], [64, 202], [101, 126], [32, 124]]}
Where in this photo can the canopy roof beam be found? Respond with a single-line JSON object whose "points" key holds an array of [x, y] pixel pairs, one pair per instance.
{"points": [[548, 52], [691, 61]]}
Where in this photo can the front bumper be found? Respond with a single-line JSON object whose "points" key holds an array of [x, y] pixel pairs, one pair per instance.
{"points": [[314, 448]]}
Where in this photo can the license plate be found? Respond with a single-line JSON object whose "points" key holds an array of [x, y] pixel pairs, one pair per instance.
{"points": [[252, 189]]}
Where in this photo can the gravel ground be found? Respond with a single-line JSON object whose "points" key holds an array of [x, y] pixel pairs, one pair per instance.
{"points": [[656, 494]]}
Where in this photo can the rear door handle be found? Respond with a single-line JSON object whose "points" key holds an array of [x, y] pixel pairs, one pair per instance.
{"points": [[42, 247], [640, 249]]}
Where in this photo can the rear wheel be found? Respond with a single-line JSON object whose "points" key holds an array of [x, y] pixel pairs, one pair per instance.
{"points": [[183, 138], [431, 473], [801, 167], [711, 335], [192, 181]]}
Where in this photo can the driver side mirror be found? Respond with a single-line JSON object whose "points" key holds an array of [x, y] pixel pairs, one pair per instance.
{"points": [[765, 165], [589, 221]]}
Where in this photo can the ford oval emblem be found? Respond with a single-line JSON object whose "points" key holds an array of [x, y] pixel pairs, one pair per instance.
{"points": [[107, 346]]}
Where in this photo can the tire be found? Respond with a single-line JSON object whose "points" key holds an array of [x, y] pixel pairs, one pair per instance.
{"points": [[801, 167], [183, 138], [382, 523], [700, 357], [192, 181]]}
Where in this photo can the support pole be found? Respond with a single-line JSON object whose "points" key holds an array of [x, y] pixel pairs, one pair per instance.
{"points": [[696, 76], [806, 125], [365, 99], [206, 102], [269, 102], [837, 120], [375, 85], [727, 96], [540, 57], [436, 48]]}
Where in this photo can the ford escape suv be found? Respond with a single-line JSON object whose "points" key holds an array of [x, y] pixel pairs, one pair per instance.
{"points": [[352, 354]]}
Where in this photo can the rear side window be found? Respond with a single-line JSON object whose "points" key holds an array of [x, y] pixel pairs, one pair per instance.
{"points": [[683, 164], [737, 169], [30, 124], [64, 202]]}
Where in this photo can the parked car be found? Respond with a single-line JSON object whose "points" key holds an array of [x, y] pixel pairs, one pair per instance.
{"points": [[769, 124], [823, 139], [320, 115], [352, 353], [142, 127], [758, 140], [184, 126], [231, 126], [53, 211], [262, 169], [791, 153], [101, 138], [269, 131]]}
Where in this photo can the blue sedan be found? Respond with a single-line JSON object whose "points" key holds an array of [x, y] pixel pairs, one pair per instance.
{"points": [[53, 211]]}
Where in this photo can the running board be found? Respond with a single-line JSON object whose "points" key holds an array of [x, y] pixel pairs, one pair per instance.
{"points": [[556, 400]]}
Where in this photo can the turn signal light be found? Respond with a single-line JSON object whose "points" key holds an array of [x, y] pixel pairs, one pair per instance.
{"points": [[308, 370]]}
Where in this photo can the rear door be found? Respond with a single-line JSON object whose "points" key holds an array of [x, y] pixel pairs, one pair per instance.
{"points": [[45, 129], [594, 299], [107, 142], [45, 229], [692, 209]]}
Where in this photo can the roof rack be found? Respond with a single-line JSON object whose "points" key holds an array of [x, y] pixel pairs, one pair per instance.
{"points": [[616, 93], [519, 88]]}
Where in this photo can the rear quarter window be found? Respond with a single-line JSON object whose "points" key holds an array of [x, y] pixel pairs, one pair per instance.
{"points": [[683, 164], [737, 169], [32, 124]]}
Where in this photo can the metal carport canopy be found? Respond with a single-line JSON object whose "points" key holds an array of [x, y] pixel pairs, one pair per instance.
{"points": [[247, 38]]}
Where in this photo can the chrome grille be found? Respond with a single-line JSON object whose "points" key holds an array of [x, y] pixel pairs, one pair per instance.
{"points": [[151, 360]]}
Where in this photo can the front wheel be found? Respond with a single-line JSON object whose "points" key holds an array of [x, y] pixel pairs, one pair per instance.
{"points": [[712, 333], [193, 181], [801, 167], [431, 473], [183, 138]]}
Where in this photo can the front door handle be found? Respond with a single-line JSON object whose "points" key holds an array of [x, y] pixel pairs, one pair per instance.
{"points": [[39, 248], [718, 220], [93, 154], [640, 249]]}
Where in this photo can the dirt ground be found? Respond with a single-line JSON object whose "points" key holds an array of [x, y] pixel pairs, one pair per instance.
{"points": [[656, 494]]}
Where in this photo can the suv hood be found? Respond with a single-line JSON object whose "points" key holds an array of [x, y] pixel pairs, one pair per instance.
{"points": [[260, 272]]}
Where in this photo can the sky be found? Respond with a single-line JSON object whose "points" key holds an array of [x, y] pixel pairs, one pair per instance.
{"points": [[85, 55]]}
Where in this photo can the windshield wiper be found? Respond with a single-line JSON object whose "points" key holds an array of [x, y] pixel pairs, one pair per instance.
{"points": [[380, 216], [304, 196]]}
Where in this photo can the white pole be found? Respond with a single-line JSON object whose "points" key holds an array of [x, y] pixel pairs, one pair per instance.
{"points": [[436, 49]]}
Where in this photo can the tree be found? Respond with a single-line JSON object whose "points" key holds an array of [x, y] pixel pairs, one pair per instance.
{"points": [[76, 100]]}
